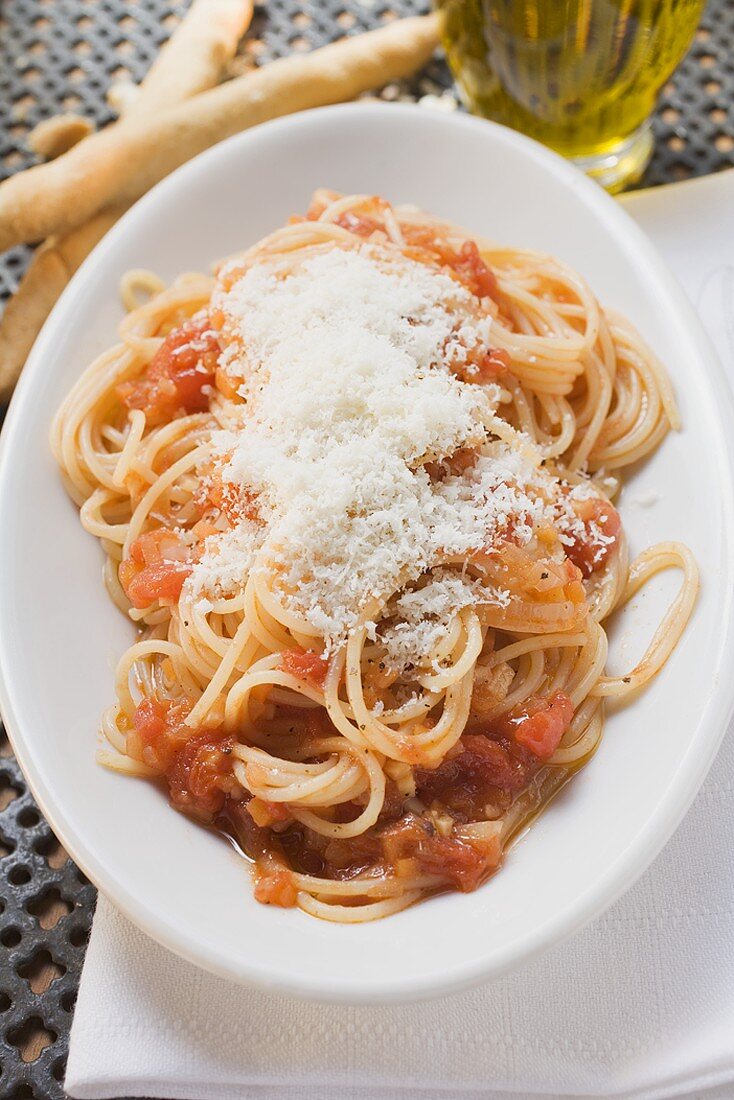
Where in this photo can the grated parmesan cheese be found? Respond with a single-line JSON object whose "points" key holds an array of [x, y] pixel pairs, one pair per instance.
{"points": [[343, 362], [419, 618]]}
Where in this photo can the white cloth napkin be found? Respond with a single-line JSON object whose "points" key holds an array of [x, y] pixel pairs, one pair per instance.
{"points": [[640, 1004]]}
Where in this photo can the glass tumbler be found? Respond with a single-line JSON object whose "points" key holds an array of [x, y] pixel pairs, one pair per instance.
{"points": [[582, 76]]}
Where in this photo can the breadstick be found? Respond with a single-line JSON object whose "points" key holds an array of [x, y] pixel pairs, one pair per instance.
{"points": [[56, 135], [176, 74], [52, 266], [190, 62], [194, 57], [121, 163], [122, 94]]}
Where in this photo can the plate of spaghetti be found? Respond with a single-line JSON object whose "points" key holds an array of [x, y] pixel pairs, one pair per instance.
{"points": [[415, 550]]}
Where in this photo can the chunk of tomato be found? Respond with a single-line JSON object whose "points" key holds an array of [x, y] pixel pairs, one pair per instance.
{"points": [[414, 841], [159, 731], [163, 582], [156, 569], [200, 774], [474, 272], [276, 888], [539, 723], [306, 665], [466, 263], [180, 377], [591, 546], [478, 771]]}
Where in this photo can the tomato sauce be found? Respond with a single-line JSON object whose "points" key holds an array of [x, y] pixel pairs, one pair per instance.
{"points": [[466, 264], [482, 365], [195, 763], [408, 846], [489, 766], [306, 665], [156, 569], [413, 845], [588, 551], [424, 245], [538, 724], [474, 272], [159, 730], [276, 888], [180, 377], [362, 225], [492, 365], [200, 775], [498, 759], [234, 502], [478, 772]]}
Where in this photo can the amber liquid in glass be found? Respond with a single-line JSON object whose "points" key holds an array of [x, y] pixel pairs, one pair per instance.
{"points": [[579, 75]]}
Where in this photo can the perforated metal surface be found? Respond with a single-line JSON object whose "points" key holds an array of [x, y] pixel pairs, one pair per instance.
{"points": [[46, 905], [63, 54]]}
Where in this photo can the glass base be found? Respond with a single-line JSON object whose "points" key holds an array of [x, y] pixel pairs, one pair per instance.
{"points": [[623, 164]]}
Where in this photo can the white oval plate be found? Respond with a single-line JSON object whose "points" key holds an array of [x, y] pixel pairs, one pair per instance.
{"points": [[61, 636]]}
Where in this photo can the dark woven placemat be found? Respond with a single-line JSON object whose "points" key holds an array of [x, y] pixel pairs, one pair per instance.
{"points": [[63, 55]]}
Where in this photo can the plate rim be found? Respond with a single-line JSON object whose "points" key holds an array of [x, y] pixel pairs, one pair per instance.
{"points": [[686, 781]]}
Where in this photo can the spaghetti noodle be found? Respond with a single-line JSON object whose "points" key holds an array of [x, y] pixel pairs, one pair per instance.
{"points": [[356, 493]]}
